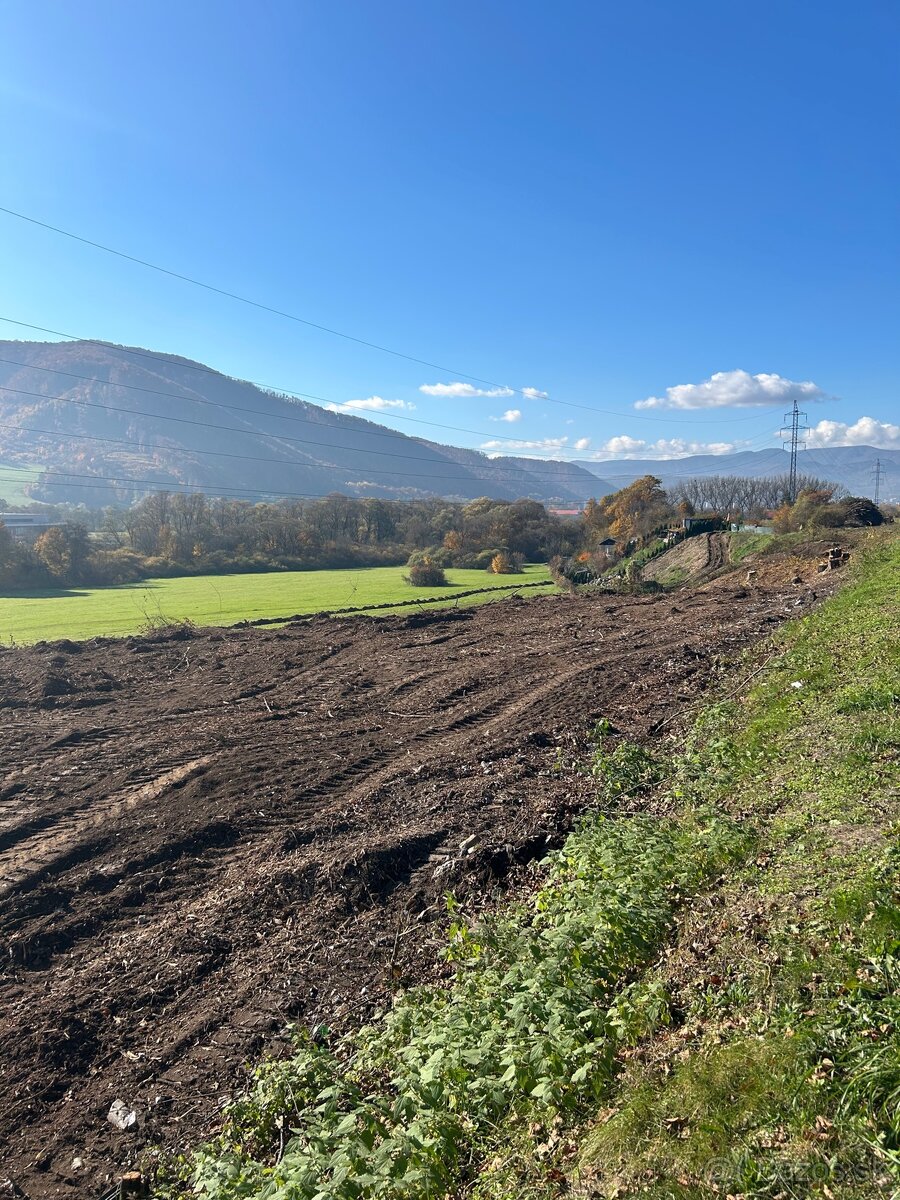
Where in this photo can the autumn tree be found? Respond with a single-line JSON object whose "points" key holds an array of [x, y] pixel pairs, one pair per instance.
{"points": [[63, 550], [635, 511]]}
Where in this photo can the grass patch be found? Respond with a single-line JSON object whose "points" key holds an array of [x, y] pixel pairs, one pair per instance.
{"points": [[674, 577], [740, 545], [79, 613], [783, 1075], [14, 480]]}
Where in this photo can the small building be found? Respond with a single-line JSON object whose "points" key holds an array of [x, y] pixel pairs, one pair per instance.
{"points": [[741, 527], [607, 547], [705, 523], [25, 527]]}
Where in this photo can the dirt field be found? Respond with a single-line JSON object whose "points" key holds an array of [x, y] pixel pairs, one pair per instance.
{"points": [[204, 837]]}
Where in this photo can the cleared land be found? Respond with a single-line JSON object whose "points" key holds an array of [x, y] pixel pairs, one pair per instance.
{"points": [[79, 613], [205, 836]]}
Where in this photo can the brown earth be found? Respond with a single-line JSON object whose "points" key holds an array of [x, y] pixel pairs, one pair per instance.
{"points": [[694, 558], [207, 835]]}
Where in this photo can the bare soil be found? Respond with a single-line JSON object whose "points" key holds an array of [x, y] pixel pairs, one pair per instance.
{"points": [[206, 835], [695, 557]]}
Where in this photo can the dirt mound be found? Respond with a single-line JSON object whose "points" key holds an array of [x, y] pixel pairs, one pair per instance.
{"points": [[689, 561], [205, 837]]}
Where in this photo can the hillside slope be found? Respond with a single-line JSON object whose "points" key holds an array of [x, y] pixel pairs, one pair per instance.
{"points": [[689, 561], [106, 411]]}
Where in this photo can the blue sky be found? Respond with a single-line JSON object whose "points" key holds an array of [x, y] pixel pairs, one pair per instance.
{"points": [[617, 205]]}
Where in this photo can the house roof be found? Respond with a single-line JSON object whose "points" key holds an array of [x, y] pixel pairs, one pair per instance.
{"points": [[13, 519]]}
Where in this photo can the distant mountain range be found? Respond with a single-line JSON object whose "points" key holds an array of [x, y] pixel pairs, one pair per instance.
{"points": [[852, 466], [108, 423]]}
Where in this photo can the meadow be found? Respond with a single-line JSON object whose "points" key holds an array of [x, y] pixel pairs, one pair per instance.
{"points": [[13, 482], [80, 613]]}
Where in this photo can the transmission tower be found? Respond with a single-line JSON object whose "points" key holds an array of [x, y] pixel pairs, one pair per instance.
{"points": [[793, 427], [877, 480]]}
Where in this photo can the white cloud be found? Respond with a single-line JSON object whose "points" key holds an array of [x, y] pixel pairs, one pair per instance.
{"points": [[735, 389], [371, 404], [551, 444], [624, 446], [511, 415], [582, 444], [463, 391], [468, 391], [867, 431]]}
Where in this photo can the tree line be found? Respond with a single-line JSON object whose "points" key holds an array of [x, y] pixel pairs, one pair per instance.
{"points": [[168, 533], [748, 499]]}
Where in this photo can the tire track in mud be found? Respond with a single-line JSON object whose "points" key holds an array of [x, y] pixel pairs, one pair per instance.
{"points": [[23, 858]]}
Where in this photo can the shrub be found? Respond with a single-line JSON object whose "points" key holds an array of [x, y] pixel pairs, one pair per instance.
{"points": [[505, 563], [859, 510], [425, 572], [482, 560], [115, 567], [557, 569]]}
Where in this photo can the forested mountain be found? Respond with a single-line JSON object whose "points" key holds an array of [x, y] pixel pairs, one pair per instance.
{"points": [[90, 412], [112, 412]]}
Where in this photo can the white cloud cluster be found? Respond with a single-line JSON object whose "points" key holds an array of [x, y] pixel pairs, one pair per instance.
{"points": [[463, 391], [507, 447], [867, 431], [511, 415], [468, 391], [370, 404], [624, 446], [735, 389]]}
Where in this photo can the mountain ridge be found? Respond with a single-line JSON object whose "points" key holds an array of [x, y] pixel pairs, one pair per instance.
{"points": [[119, 412], [132, 420]]}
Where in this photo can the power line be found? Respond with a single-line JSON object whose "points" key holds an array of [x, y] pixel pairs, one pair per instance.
{"points": [[571, 456], [528, 394], [111, 482], [877, 480], [375, 431], [212, 491], [485, 466], [189, 450], [278, 312], [278, 389], [284, 437], [248, 432], [322, 467]]}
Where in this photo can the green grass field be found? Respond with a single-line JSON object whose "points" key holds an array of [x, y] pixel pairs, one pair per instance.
{"points": [[13, 481], [80, 613]]}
